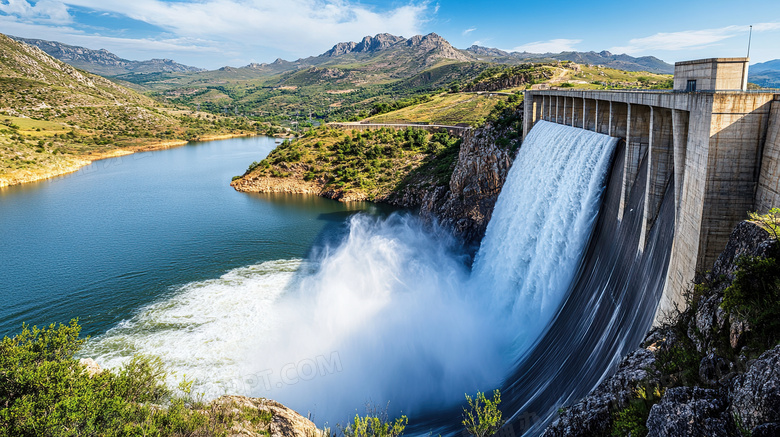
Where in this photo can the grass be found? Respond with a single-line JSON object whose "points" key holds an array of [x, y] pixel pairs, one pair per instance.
{"points": [[564, 74], [445, 109]]}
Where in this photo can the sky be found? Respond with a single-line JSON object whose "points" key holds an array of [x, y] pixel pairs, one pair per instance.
{"points": [[215, 33]]}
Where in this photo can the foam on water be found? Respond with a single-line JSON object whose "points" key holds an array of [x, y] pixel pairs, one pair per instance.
{"points": [[391, 313], [202, 329]]}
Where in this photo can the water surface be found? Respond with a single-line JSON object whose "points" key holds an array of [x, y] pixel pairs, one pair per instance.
{"points": [[119, 234]]}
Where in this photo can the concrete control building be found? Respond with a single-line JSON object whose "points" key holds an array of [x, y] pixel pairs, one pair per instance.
{"points": [[717, 143], [715, 74]]}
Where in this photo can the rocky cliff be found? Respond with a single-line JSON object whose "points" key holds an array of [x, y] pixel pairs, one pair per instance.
{"points": [[711, 370], [466, 204]]}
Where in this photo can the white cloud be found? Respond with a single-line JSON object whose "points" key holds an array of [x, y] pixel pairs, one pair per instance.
{"points": [[551, 46], [251, 30], [469, 30], [299, 26], [45, 10], [689, 39]]}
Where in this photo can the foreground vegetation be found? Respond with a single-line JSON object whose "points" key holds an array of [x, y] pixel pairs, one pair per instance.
{"points": [[45, 391]]}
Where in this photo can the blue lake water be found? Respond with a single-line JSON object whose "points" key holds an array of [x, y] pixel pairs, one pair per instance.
{"points": [[122, 233]]}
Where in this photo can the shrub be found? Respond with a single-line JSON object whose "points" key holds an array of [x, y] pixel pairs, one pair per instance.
{"points": [[483, 418], [375, 424], [755, 296], [45, 391], [769, 221]]}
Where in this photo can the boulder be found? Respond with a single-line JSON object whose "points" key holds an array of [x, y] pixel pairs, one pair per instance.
{"points": [[688, 412]]}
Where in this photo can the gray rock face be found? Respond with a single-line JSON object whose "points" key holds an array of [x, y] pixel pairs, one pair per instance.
{"points": [[755, 395], [383, 41], [474, 187], [688, 411], [102, 61], [593, 414]]}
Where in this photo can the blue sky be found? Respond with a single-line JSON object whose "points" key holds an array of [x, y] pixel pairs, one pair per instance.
{"points": [[215, 33]]}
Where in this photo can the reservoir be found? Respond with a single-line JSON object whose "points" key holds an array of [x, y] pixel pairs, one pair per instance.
{"points": [[123, 233]]}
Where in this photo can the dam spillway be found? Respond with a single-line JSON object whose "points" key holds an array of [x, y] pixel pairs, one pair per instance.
{"points": [[719, 150]]}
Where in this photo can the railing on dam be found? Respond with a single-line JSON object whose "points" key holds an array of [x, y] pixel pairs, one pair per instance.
{"points": [[458, 131]]}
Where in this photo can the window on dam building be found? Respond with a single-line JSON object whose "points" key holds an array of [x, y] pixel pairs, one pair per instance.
{"points": [[690, 87]]}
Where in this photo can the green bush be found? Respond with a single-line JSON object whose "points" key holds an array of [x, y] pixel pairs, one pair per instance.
{"points": [[375, 424], [44, 391], [483, 418], [754, 295]]}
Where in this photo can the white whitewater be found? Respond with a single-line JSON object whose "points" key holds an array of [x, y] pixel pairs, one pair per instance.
{"points": [[391, 313], [541, 224]]}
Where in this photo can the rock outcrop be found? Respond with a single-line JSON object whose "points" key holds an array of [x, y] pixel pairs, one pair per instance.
{"points": [[466, 205], [592, 414], [755, 395], [688, 411], [284, 422]]}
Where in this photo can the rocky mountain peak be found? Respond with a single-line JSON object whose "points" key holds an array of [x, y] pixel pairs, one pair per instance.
{"points": [[433, 42], [368, 44], [486, 51]]}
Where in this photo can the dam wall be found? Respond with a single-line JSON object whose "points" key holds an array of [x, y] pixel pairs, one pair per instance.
{"points": [[768, 193], [720, 150]]}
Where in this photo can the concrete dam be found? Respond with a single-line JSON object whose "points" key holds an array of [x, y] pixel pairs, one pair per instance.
{"points": [[713, 145]]}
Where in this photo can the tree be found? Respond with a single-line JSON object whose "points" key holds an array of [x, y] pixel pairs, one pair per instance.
{"points": [[483, 418]]}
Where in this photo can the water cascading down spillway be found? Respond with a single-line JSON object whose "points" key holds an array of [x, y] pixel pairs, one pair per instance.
{"points": [[393, 313]]}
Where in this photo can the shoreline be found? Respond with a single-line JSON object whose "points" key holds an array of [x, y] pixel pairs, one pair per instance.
{"points": [[78, 162]]}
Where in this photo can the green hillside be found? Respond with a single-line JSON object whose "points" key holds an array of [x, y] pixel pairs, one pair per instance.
{"points": [[55, 118]]}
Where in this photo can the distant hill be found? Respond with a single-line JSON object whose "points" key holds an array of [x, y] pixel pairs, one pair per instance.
{"points": [[773, 65], [605, 58], [102, 61], [55, 118], [765, 74]]}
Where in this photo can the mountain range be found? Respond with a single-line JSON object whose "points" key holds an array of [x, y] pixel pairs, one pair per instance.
{"points": [[766, 74], [605, 58], [407, 56], [102, 61], [387, 47]]}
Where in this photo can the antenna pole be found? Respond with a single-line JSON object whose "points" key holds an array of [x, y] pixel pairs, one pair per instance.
{"points": [[750, 36]]}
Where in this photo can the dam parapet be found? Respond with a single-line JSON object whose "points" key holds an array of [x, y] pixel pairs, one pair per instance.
{"points": [[718, 144]]}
